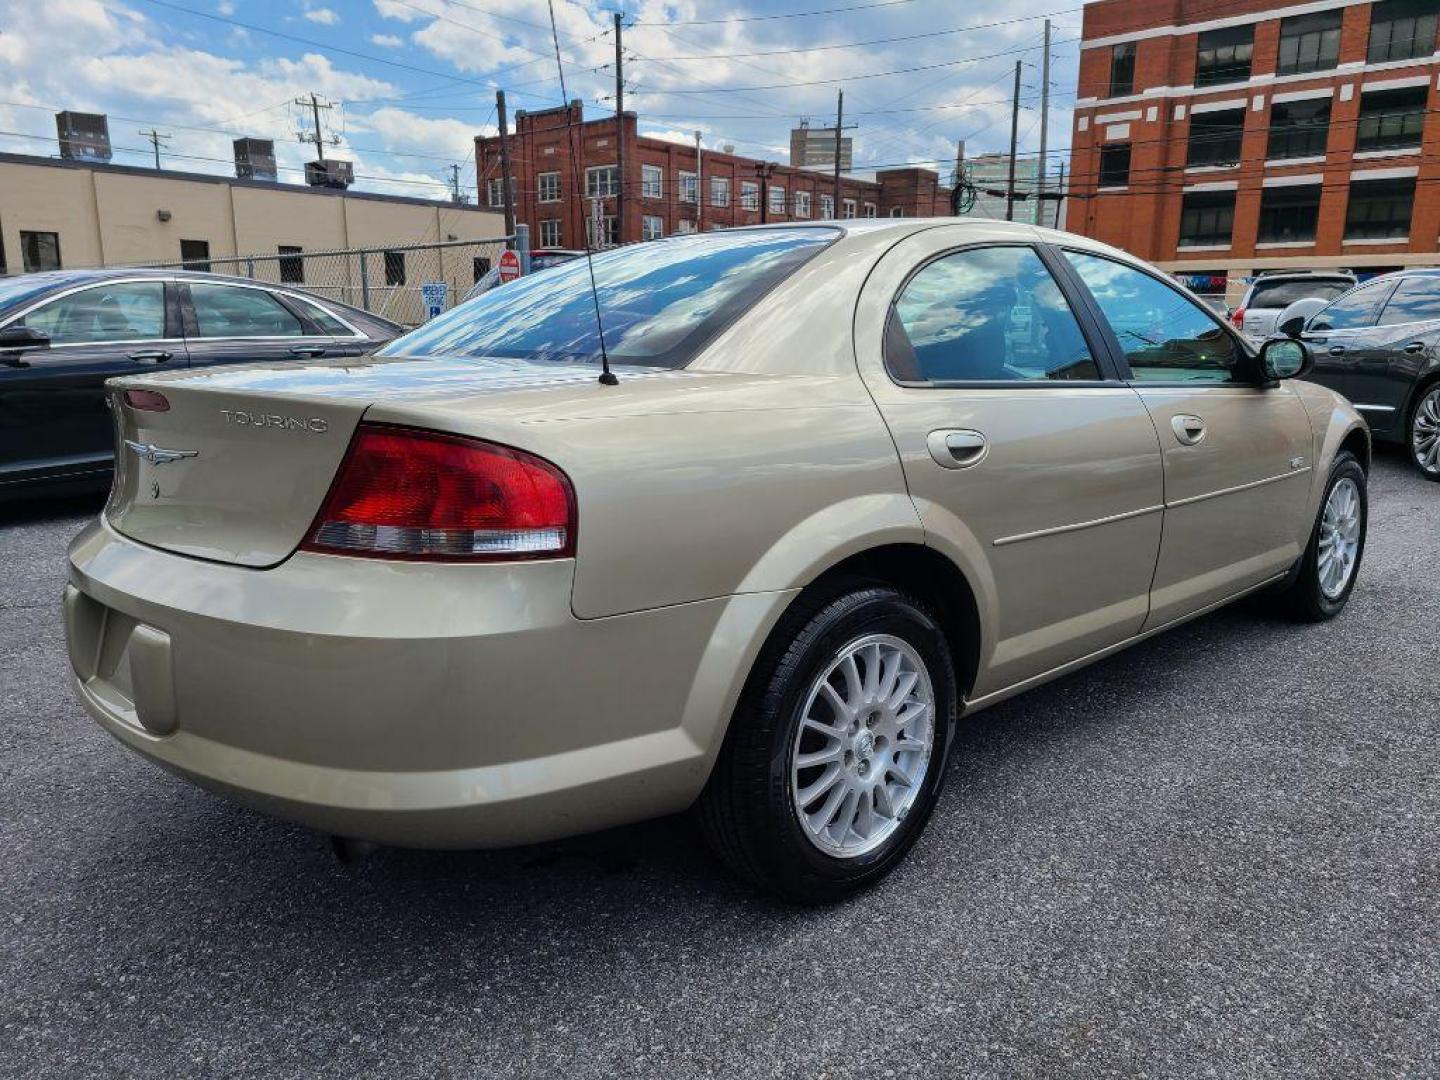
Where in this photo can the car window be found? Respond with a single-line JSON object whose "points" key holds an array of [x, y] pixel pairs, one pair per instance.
{"points": [[322, 318], [1354, 309], [1280, 294], [1166, 336], [659, 302], [985, 314], [229, 311], [1416, 299], [128, 311]]}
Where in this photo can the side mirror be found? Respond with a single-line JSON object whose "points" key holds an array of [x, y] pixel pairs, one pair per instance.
{"points": [[1285, 358], [1292, 320], [15, 340]]}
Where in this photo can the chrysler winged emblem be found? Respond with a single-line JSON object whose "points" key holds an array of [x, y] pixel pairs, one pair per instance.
{"points": [[158, 455]]}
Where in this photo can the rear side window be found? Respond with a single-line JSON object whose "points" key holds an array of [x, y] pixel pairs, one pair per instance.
{"points": [[132, 311], [322, 318], [1166, 336], [223, 311], [660, 302], [1279, 294], [1416, 299], [982, 315], [1354, 309]]}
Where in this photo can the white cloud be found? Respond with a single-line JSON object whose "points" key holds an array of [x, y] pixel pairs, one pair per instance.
{"points": [[386, 41], [225, 7], [324, 16]]}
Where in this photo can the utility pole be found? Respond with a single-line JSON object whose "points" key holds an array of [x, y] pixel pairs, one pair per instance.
{"points": [[699, 185], [839, 129], [318, 137], [1014, 139], [765, 169], [619, 132], [156, 139], [505, 162], [1044, 120], [455, 185]]}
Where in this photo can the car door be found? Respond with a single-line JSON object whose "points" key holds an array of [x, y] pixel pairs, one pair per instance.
{"points": [[234, 324], [1236, 452], [1341, 332], [1029, 462], [1402, 348], [53, 415]]}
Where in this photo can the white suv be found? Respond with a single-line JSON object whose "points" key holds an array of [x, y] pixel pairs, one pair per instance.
{"points": [[1270, 294]]}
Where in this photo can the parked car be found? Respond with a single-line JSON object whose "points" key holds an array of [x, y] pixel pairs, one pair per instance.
{"points": [[63, 333], [464, 593], [1379, 345], [1270, 294], [539, 260]]}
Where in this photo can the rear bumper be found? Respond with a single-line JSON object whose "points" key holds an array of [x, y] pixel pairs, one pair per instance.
{"points": [[419, 705]]}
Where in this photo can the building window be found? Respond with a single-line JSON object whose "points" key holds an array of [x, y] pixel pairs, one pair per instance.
{"points": [[601, 181], [550, 233], [1299, 128], [195, 254], [719, 191], [1310, 42], [1223, 56], [1391, 119], [1215, 137], [689, 187], [871, 209], [479, 267], [652, 228], [802, 204], [1288, 215], [292, 264], [1402, 30], [1122, 69], [394, 268], [549, 187], [684, 226], [827, 207], [1379, 209], [777, 199], [1207, 219], [652, 182], [610, 231], [1115, 165], [41, 250], [749, 195], [897, 211], [497, 192], [847, 209]]}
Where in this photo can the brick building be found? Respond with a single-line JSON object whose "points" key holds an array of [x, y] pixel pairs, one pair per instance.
{"points": [[661, 186], [1219, 138]]}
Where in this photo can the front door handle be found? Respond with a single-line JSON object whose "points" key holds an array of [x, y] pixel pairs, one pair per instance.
{"points": [[1415, 347], [1190, 430], [307, 350], [1337, 350], [957, 448], [150, 356]]}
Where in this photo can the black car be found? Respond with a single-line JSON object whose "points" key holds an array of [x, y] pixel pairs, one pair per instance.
{"points": [[1379, 345], [62, 334]]}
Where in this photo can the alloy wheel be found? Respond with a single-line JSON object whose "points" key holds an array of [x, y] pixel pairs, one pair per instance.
{"points": [[1425, 432], [1339, 538], [863, 747]]}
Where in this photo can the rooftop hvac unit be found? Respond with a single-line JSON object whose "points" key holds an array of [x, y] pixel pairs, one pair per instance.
{"points": [[83, 136], [255, 159], [331, 174]]}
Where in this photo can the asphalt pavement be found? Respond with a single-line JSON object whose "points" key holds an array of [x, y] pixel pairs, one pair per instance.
{"points": [[1216, 854]]}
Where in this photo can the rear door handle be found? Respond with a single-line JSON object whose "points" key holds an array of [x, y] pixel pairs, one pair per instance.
{"points": [[1337, 350], [307, 350], [1415, 347], [1188, 429], [957, 448], [150, 356]]}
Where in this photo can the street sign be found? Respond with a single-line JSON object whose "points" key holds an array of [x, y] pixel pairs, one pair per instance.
{"points": [[509, 266], [432, 294]]}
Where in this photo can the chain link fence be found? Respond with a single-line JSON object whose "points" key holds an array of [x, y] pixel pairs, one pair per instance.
{"points": [[385, 281]]}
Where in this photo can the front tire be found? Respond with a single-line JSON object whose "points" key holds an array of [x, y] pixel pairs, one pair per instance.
{"points": [[1423, 434], [837, 752], [1331, 563]]}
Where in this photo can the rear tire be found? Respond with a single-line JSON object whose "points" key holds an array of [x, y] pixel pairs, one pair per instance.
{"points": [[1331, 563], [1422, 432], [795, 747]]}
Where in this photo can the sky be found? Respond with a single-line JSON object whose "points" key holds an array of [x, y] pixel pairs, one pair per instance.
{"points": [[413, 81]]}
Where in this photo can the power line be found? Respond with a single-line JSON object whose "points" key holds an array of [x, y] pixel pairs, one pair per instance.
{"points": [[788, 15]]}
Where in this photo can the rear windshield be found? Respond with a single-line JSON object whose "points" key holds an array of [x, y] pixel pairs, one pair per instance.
{"points": [[1279, 294], [660, 301]]}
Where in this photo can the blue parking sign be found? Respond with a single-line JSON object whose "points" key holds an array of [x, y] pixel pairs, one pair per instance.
{"points": [[433, 295]]}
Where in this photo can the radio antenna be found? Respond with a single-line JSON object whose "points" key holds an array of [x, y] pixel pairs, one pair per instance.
{"points": [[607, 377]]}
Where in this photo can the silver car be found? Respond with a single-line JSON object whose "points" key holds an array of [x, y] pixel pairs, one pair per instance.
{"points": [[1270, 294]]}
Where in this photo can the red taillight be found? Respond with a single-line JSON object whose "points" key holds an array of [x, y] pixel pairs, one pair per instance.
{"points": [[1237, 318], [402, 493], [147, 400]]}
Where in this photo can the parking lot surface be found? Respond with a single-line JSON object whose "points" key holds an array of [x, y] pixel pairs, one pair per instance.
{"points": [[1216, 854]]}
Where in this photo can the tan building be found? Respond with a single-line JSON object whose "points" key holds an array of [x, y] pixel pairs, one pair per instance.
{"points": [[77, 214]]}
